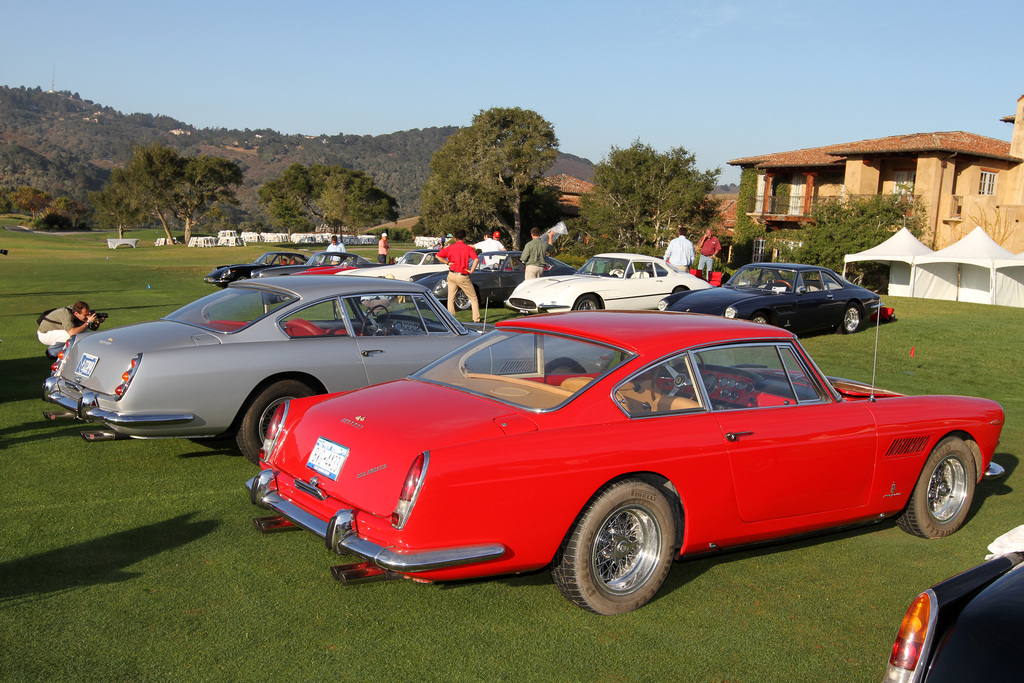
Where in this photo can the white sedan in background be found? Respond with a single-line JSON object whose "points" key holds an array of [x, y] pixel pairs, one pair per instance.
{"points": [[613, 281], [415, 262]]}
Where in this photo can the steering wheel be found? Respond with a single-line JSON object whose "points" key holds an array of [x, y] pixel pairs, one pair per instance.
{"points": [[372, 318], [616, 272], [780, 283], [672, 382]]}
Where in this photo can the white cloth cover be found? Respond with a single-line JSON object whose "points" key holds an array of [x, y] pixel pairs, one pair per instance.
{"points": [[1010, 542]]}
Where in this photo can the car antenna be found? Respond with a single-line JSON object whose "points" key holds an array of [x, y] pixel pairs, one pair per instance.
{"points": [[487, 307], [874, 364]]}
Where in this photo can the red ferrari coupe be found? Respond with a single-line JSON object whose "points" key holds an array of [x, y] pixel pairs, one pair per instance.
{"points": [[606, 444]]}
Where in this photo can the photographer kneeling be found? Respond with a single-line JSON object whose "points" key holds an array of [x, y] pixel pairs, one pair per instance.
{"points": [[60, 324]]}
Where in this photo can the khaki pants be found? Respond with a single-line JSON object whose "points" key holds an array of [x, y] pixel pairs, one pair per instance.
{"points": [[533, 272], [458, 281]]}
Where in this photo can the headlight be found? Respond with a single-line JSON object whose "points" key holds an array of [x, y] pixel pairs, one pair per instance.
{"points": [[441, 286], [730, 312], [662, 305]]}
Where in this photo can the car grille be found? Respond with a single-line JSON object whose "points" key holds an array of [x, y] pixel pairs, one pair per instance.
{"points": [[522, 303]]}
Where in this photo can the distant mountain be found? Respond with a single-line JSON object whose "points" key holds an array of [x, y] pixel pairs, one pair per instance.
{"points": [[65, 145]]}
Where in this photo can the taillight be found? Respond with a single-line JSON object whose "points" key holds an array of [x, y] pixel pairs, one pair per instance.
{"points": [[55, 368], [274, 430], [911, 640], [128, 375], [410, 490]]}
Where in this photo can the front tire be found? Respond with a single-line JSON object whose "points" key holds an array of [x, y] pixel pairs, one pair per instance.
{"points": [[942, 496], [462, 302], [851, 319], [761, 318], [256, 418], [587, 302], [619, 552]]}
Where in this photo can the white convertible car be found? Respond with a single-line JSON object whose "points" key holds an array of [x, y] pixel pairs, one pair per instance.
{"points": [[616, 281], [415, 262]]}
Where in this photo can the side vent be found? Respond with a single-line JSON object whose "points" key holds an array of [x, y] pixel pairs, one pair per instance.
{"points": [[906, 446]]}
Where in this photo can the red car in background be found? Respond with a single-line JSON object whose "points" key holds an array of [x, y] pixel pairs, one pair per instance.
{"points": [[606, 444]]}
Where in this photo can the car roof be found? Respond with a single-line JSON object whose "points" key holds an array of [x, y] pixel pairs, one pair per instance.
{"points": [[649, 332], [787, 266], [626, 255], [314, 286]]}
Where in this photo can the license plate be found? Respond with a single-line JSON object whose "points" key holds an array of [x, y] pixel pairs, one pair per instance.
{"points": [[327, 458], [86, 366]]}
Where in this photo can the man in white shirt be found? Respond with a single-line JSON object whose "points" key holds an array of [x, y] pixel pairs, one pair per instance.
{"points": [[335, 244], [489, 244], [680, 251]]}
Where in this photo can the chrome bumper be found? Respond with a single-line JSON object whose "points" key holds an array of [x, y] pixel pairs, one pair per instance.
{"points": [[994, 471], [339, 537], [87, 407]]}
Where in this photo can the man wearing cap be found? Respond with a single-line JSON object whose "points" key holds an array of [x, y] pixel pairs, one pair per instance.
{"points": [[489, 244], [462, 261], [382, 248]]}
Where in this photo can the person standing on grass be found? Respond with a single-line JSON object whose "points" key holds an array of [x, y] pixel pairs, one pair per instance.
{"points": [[680, 251], [709, 247], [462, 261], [534, 254], [382, 248]]}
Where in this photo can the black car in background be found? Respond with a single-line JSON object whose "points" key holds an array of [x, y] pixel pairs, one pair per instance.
{"points": [[967, 628], [797, 297], [222, 276], [498, 273]]}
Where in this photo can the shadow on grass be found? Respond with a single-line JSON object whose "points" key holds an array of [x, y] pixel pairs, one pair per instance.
{"points": [[99, 561]]}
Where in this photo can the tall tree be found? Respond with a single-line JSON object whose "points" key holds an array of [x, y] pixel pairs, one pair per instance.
{"points": [[118, 205], [641, 197], [31, 199], [153, 173], [480, 176], [203, 181], [333, 195]]}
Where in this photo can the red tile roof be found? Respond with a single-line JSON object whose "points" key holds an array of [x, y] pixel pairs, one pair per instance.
{"points": [[567, 184], [834, 155]]}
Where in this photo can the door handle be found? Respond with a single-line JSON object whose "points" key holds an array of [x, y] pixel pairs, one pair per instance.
{"points": [[370, 352], [735, 436]]}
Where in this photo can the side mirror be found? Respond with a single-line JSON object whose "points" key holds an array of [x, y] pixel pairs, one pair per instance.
{"points": [[801, 289]]}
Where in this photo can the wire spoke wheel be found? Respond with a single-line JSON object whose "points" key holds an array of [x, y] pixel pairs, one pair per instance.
{"points": [[947, 489], [625, 553]]}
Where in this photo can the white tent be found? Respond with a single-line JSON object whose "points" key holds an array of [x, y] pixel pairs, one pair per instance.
{"points": [[1008, 285], [899, 251], [965, 271]]}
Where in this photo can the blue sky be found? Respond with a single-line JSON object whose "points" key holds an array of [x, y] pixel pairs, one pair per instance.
{"points": [[721, 79]]}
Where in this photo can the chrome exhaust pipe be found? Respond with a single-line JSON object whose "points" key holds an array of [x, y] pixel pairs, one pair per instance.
{"points": [[361, 572], [59, 414], [101, 435]]}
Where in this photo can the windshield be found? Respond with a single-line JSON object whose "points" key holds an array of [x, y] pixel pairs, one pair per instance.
{"points": [[526, 369], [763, 277], [605, 266], [229, 310]]}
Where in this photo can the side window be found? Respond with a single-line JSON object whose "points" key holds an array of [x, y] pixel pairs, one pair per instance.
{"points": [[812, 281], [659, 270], [322, 319], [749, 376], [664, 388], [830, 282], [391, 315], [807, 390]]}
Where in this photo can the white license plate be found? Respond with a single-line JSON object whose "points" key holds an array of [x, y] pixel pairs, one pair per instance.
{"points": [[86, 366], [327, 458]]}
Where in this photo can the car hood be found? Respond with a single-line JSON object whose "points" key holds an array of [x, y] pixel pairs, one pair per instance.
{"points": [[714, 300], [114, 349], [379, 455], [550, 287]]}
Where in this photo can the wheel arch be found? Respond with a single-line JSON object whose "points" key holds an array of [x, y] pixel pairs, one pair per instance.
{"points": [[309, 380], [768, 313], [600, 299], [972, 445]]}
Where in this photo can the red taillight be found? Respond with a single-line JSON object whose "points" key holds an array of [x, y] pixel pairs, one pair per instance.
{"points": [[274, 430], [128, 375], [410, 491], [906, 652]]}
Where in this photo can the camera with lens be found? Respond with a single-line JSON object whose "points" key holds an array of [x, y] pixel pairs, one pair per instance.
{"points": [[3, 252], [100, 317]]}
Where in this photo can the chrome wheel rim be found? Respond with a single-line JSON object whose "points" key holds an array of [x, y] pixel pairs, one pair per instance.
{"points": [[461, 300], [947, 489], [587, 305], [625, 551], [851, 319], [268, 414]]}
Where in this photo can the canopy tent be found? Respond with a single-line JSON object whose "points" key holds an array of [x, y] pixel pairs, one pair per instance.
{"points": [[965, 271], [899, 251], [1008, 285]]}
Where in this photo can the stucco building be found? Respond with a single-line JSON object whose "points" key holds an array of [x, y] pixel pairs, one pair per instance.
{"points": [[963, 180]]}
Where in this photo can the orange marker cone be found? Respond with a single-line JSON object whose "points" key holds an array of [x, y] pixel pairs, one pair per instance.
{"points": [[912, 351]]}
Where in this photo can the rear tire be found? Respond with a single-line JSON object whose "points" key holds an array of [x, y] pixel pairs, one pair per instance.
{"points": [[851, 319], [587, 302], [942, 496], [258, 412], [619, 552]]}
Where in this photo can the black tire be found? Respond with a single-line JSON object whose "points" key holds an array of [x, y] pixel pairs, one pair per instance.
{"points": [[618, 553], [851, 319], [462, 302], [587, 302], [943, 494], [761, 318], [258, 412], [680, 288], [240, 278]]}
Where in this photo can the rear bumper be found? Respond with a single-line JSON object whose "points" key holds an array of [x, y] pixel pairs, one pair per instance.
{"points": [[339, 535], [86, 407]]}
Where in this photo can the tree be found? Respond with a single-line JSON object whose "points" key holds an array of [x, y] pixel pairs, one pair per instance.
{"points": [[334, 195], [117, 204], [203, 181], [31, 199], [481, 175], [641, 197], [153, 174], [855, 224]]}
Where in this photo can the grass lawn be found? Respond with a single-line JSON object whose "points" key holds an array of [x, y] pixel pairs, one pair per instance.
{"points": [[137, 560]]}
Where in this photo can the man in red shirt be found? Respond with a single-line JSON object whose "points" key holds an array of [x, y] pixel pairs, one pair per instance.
{"points": [[708, 246], [462, 261]]}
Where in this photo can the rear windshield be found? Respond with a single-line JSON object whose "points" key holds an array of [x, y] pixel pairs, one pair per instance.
{"points": [[230, 309]]}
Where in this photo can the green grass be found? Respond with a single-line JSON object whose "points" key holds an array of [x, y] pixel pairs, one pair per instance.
{"points": [[137, 560]]}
